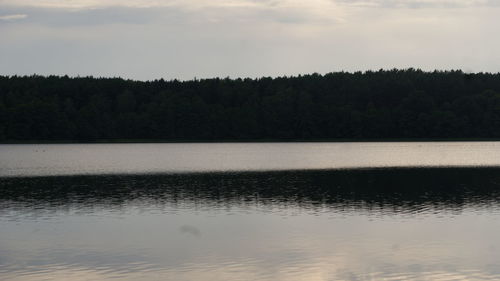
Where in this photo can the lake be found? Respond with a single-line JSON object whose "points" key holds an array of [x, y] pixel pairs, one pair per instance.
{"points": [[295, 211], [154, 158]]}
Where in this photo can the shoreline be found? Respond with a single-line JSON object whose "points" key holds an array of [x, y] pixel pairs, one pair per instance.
{"points": [[118, 141]]}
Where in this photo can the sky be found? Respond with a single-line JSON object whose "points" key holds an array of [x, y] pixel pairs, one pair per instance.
{"points": [[186, 39]]}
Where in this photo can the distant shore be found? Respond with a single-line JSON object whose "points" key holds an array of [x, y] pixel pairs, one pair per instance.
{"points": [[110, 141], [386, 105]]}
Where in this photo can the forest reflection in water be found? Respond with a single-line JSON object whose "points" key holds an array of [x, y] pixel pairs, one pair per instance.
{"points": [[401, 190], [365, 224]]}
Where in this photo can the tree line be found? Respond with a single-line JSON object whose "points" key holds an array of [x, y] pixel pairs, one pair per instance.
{"points": [[385, 104]]}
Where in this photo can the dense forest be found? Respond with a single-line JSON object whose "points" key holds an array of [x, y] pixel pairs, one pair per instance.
{"points": [[392, 104]]}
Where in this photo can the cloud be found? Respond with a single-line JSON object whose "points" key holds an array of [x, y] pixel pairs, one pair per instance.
{"points": [[12, 17], [186, 38], [201, 4], [90, 17], [90, 12], [419, 3], [81, 4], [95, 4]]}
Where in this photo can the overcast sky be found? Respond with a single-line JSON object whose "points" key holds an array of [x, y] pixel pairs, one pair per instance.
{"points": [[150, 39]]}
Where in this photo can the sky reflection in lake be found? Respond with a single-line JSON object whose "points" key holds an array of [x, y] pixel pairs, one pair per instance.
{"points": [[158, 158], [415, 224]]}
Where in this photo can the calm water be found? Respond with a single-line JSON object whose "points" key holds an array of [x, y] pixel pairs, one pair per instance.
{"points": [[77, 159], [334, 224]]}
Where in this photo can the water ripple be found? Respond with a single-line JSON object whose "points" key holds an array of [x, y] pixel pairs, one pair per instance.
{"points": [[424, 224]]}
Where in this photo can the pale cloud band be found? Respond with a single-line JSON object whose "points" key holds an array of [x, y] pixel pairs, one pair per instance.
{"points": [[419, 3], [12, 17], [95, 4], [281, 11], [284, 11]]}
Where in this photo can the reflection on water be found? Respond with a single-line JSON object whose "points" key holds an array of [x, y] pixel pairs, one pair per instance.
{"points": [[154, 158], [415, 224]]}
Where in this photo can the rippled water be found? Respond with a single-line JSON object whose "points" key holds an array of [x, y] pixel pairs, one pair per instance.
{"points": [[382, 224], [78, 159]]}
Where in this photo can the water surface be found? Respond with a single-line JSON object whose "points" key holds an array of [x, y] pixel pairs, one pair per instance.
{"points": [[384, 224], [78, 159], [250, 211]]}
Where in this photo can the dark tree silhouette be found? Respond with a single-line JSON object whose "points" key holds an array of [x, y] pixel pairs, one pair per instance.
{"points": [[391, 104]]}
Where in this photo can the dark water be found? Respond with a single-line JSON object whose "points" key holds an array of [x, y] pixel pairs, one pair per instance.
{"points": [[374, 224]]}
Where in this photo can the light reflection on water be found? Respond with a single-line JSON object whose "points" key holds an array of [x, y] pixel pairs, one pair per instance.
{"points": [[398, 224], [154, 158]]}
